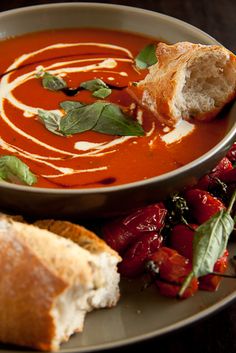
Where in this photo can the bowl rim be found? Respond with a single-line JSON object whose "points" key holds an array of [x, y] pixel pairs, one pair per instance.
{"points": [[105, 6], [140, 183]]}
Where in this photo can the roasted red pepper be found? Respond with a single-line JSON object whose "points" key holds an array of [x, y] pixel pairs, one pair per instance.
{"points": [[117, 236], [229, 177], [231, 155], [222, 167], [212, 282], [146, 219], [209, 180], [121, 234], [170, 269], [202, 204], [182, 241], [135, 257]]}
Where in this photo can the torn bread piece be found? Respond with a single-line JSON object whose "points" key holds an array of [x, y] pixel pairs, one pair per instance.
{"points": [[189, 81], [106, 257], [48, 284]]}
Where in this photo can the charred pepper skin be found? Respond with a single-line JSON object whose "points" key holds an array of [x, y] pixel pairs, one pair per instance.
{"points": [[231, 155], [182, 240], [209, 181], [133, 264], [121, 234], [172, 270], [202, 204]]}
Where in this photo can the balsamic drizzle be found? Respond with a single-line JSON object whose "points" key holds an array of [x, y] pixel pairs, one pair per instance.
{"points": [[70, 92], [105, 181]]}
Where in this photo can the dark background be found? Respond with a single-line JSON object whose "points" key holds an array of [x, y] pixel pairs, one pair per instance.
{"points": [[215, 334]]}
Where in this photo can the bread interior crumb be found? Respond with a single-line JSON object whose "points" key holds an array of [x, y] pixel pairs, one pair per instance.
{"points": [[204, 85]]}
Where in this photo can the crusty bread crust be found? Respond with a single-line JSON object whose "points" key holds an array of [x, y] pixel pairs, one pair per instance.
{"points": [[69, 262], [161, 86], [37, 267], [25, 299], [78, 234], [44, 271]]}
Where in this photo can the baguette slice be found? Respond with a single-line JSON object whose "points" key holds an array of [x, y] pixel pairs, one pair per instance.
{"points": [[108, 294], [47, 285], [189, 81]]}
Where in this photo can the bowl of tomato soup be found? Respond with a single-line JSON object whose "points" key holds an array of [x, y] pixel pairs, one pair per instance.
{"points": [[73, 141]]}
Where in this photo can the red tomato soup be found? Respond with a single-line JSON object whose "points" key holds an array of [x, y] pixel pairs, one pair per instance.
{"points": [[86, 159]]}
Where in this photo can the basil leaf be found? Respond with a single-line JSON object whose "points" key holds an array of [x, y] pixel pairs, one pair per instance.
{"points": [[146, 57], [82, 119], [93, 85], [70, 105], [98, 87], [12, 167], [210, 241], [102, 93], [113, 121], [53, 83], [103, 117], [51, 120]]}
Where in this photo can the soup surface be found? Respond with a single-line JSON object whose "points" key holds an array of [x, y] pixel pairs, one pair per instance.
{"points": [[86, 159]]}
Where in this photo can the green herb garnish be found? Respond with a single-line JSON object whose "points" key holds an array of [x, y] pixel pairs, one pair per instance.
{"points": [[81, 119], [53, 83], [103, 117], [210, 242], [146, 57], [70, 105], [113, 121], [93, 85], [102, 93], [178, 210], [12, 168], [51, 120], [98, 87]]}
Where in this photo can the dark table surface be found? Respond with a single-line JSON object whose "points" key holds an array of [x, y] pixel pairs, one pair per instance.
{"points": [[216, 334]]}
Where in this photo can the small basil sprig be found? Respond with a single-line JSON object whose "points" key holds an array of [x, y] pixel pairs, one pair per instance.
{"points": [[98, 87], [102, 93], [13, 169], [81, 119], [51, 120], [53, 83], [209, 243], [146, 57], [103, 117], [113, 121], [70, 105]]}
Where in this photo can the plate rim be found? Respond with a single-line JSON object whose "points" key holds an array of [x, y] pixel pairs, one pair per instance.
{"points": [[203, 314]]}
